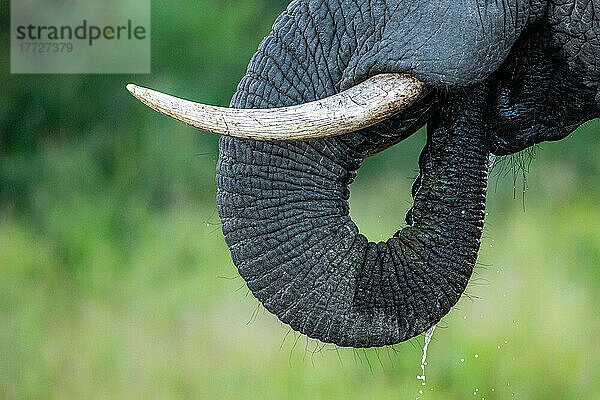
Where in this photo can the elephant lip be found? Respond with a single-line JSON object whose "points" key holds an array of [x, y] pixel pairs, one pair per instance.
{"points": [[361, 106]]}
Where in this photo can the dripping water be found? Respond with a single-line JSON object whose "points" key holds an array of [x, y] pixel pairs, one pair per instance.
{"points": [[428, 336]]}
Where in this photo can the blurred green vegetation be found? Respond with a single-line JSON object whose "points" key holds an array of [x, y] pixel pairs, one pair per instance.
{"points": [[115, 281]]}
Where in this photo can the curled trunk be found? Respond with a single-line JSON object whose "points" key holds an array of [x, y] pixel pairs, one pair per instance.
{"points": [[284, 209]]}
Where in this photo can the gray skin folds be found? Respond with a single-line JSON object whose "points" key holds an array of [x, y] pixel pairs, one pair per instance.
{"points": [[284, 209], [504, 75]]}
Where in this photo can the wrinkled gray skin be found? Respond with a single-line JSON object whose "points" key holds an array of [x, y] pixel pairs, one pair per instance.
{"points": [[505, 74]]}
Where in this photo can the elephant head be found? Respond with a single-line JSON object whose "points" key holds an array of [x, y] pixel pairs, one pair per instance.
{"points": [[488, 77]]}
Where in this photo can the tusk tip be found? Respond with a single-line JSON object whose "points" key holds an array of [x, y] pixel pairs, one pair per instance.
{"points": [[131, 88]]}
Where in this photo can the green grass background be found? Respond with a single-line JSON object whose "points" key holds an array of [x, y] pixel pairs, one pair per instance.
{"points": [[115, 282]]}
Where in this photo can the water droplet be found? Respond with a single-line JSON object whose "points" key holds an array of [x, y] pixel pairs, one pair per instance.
{"points": [[465, 317], [498, 347], [462, 360], [505, 342], [476, 355], [493, 389]]}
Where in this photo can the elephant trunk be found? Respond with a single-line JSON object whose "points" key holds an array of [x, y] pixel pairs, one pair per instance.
{"points": [[285, 215]]}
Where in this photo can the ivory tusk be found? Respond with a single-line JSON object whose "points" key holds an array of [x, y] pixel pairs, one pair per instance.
{"points": [[361, 106]]}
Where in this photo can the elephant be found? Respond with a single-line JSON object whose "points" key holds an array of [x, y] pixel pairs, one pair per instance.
{"points": [[488, 77]]}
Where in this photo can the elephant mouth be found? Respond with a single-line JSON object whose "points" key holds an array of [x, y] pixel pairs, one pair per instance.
{"points": [[361, 106]]}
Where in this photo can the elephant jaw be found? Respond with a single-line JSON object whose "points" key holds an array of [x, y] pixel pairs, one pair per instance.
{"points": [[361, 106]]}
